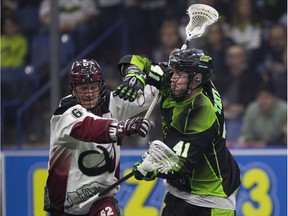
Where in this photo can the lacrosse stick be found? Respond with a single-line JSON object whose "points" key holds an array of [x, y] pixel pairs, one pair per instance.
{"points": [[159, 157], [154, 102], [201, 16]]}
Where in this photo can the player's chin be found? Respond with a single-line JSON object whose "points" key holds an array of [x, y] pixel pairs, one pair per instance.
{"points": [[175, 91], [89, 105]]}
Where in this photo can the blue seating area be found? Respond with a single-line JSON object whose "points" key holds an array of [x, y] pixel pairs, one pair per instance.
{"points": [[28, 18], [17, 84], [40, 49]]}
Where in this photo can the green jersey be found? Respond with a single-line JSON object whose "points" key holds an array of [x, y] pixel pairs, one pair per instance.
{"points": [[194, 129]]}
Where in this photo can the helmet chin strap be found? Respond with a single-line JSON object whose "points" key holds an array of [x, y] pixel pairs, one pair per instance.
{"points": [[196, 87]]}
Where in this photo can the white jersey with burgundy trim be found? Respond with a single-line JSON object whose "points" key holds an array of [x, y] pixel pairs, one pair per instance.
{"points": [[83, 159]]}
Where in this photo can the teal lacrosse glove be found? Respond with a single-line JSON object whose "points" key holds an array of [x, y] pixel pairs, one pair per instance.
{"points": [[141, 173], [132, 85]]}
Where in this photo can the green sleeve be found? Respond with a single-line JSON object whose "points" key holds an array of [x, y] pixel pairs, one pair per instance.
{"points": [[154, 72], [141, 62]]}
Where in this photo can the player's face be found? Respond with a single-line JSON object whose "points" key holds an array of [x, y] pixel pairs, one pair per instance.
{"points": [[179, 82], [87, 94], [266, 101]]}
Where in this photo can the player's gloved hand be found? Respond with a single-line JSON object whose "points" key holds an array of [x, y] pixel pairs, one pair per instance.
{"points": [[137, 125], [144, 172], [132, 85]]}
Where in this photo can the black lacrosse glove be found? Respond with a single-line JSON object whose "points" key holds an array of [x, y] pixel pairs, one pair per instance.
{"points": [[139, 126], [140, 174], [132, 85]]}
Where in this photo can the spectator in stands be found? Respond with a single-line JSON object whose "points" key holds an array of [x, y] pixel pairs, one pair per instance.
{"points": [[14, 46], [215, 42], [75, 17], [270, 11], [8, 8], [169, 38], [276, 43], [264, 119], [143, 20], [17, 81], [111, 12], [278, 76], [238, 81], [271, 58], [237, 84], [244, 29]]}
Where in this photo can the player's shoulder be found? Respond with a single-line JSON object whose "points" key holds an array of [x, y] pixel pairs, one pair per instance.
{"points": [[201, 101], [65, 104]]}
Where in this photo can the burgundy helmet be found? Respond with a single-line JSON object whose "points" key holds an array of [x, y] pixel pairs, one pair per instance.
{"points": [[87, 71]]}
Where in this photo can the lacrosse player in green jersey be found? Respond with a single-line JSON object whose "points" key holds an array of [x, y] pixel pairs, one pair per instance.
{"points": [[193, 127]]}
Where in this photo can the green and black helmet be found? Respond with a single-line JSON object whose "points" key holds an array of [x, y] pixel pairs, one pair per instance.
{"points": [[192, 61]]}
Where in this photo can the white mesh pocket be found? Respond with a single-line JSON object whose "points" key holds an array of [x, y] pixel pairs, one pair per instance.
{"points": [[200, 17]]}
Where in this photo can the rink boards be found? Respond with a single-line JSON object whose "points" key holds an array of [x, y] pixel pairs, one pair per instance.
{"points": [[263, 190]]}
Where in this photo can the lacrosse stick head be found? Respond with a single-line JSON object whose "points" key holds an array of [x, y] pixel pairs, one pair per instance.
{"points": [[201, 16], [161, 157]]}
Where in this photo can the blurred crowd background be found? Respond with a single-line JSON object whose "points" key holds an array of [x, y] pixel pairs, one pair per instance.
{"points": [[248, 46]]}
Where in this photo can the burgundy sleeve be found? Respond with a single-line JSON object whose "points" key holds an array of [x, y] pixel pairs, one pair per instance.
{"points": [[92, 130]]}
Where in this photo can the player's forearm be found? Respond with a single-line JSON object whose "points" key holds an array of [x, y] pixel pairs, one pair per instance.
{"points": [[92, 130]]}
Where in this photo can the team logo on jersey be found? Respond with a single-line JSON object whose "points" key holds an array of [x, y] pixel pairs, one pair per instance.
{"points": [[108, 164]]}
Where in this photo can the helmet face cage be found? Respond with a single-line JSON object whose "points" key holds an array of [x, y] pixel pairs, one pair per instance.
{"points": [[192, 61], [87, 71]]}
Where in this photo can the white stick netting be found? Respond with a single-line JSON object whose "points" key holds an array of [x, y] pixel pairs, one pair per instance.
{"points": [[201, 16], [160, 157]]}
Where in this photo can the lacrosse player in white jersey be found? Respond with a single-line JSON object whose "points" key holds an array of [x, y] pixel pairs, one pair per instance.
{"points": [[86, 132]]}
